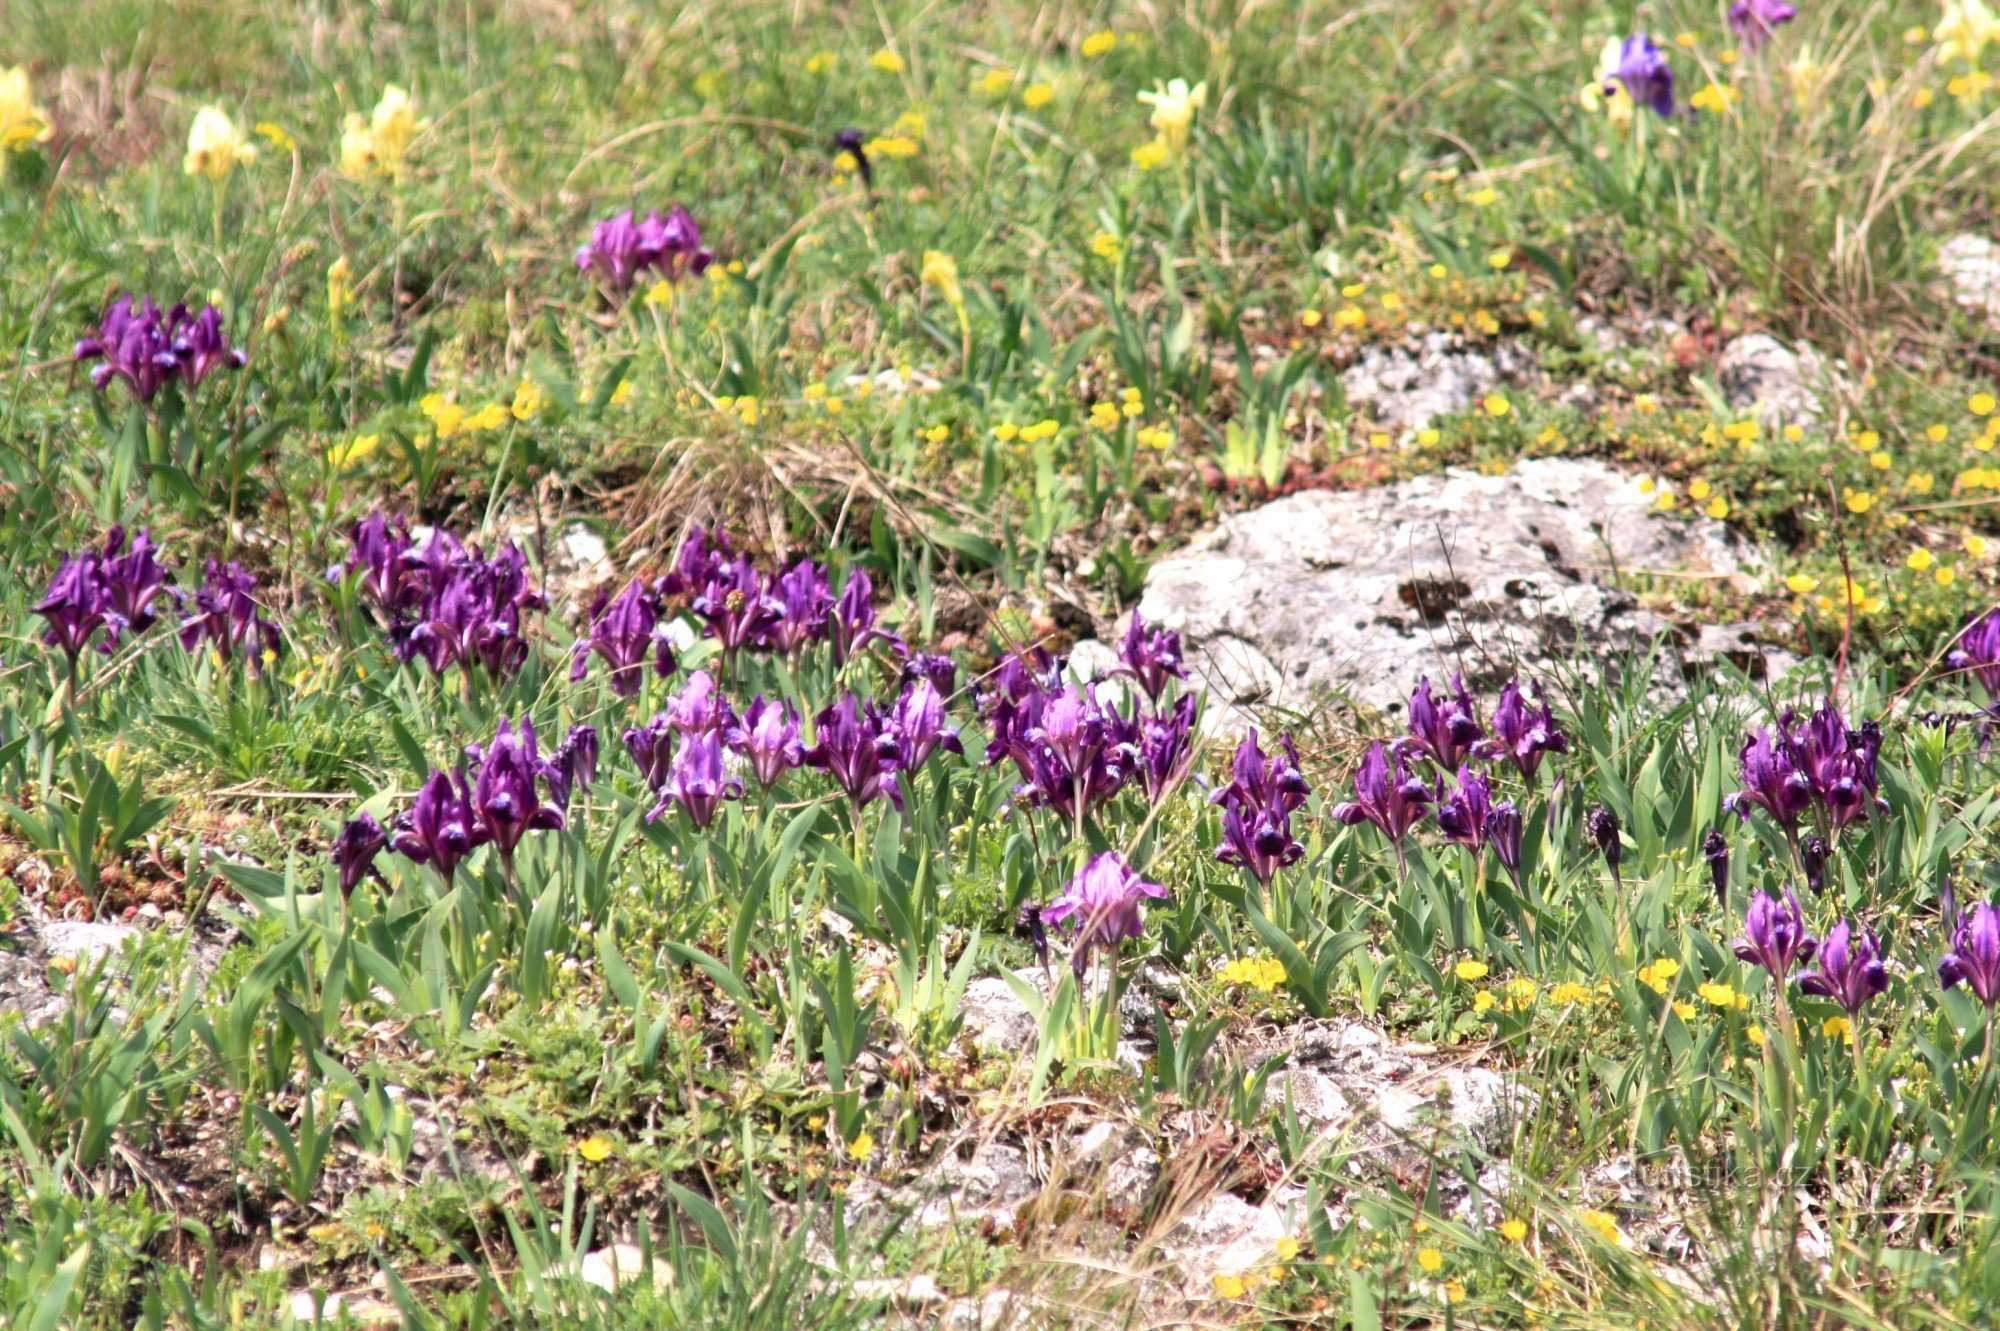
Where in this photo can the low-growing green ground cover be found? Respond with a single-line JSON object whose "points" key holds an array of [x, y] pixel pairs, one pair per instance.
{"points": [[551, 704]]}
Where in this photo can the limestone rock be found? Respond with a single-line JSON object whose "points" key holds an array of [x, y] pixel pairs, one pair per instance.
{"points": [[1356, 595], [1760, 374], [1971, 264], [1405, 388]]}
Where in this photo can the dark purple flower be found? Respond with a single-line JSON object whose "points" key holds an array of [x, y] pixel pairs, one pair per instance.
{"points": [[1978, 652], [201, 348], [1385, 794], [1265, 781], [1813, 855], [1757, 21], [74, 605], [916, 726], [1448, 732], [1715, 849], [804, 603], [769, 738], [851, 749], [1102, 906], [1524, 734], [1504, 833], [381, 555], [623, 247], [1016, 693], [1079, 752], [1974, 959], [572, 766], [939, 669], [505, 797], [1647, 77], [1774, 934], [696, 781], [1259, 839], [700, 707], [1850, 968], [354, 850], [853, 621], [849, 141], [132, 579], [1463, 814], [1839, 765], [228, 618], [1602, 824], [440, 829], [1772, 780], [462, 609], [133, 344], [651, 747], [626, 633], [736, 607], [1029, 922], [1151, 655], [1166, 747]]}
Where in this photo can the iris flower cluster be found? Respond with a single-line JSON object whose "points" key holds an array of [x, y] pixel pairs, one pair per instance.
{"points": [[100, 596], [442, 600], [149, 350], [623, 247], [1446, 733], [1822, 766]]}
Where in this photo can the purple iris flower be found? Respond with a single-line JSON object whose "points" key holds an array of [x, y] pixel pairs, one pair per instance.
{"points": [[132, 343], [354, 850], [1166, 747], [1079, 752], [1850, 968], [735, 606], [440, 829], [1974, 959], [1772, 779], [626, 632], [803, 600], [74, 606], [132, 579], [936, 667], [853, 620], [1272, 780], [652, 749], [1103, 907], [1258, 839], [856, 749], [769, 738], [1445, 731], [1016, 693], [1523, 733], [201, 347], [1151, 655], [916, 726], [227, 616], [623, 247], [451, 605], [1463, 814], [1385, 794], [696, 781], [380, 554], [1757, 21], [700, 707], [505, 796], [1505, 834], [1978, 651], [702, 556], [1602, 824], [1715, 849], [1648, 78], [1774, 934], [572, 766], [1839, 764]]}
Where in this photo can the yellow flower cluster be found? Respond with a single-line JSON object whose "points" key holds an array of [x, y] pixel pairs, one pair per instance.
{"points": [[449, 419], [1718, 994], [746, 408], [379, 144], [1260, 973], [1240, 1284], [1659, 977], [1007, 431]]}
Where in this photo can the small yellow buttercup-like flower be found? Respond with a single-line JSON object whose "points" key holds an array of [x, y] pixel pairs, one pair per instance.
{"points": [[594, 1149], [215, 146], [1513, 1229], [1470, 970], [1099, 43], [861, 1147]]}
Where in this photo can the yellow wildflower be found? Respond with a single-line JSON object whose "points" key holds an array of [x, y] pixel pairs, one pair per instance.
{"points": [[1659, 976], [1964, 29], [1037, 95], [1838, 1028], [343, 456], [1470, 971], [1099, 43], [861, 1147], [1513, 1229], [1605, 1225], [380, 144], [1496, 405], [1801, 583], [528, 400], [1920, 559], [215, 146], [941, 271], [887, 61], [1716, 99], [1106, 246], [339, 286], [1175, 106], [621, 394], [1430, 1259], [22, 122], [594, 1149]]}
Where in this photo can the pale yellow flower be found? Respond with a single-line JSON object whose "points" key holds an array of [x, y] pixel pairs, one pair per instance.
{"points": [[1964, 29], [941, 271], [1174, 108], [379, 144], [21, 121], [215, 146]]}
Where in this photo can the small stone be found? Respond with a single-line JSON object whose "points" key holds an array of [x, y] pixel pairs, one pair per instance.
{"points": [[1971, 265], [995, 1019], [622, 1264], [87, 940], [356, 1307], [1761, 375]]}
